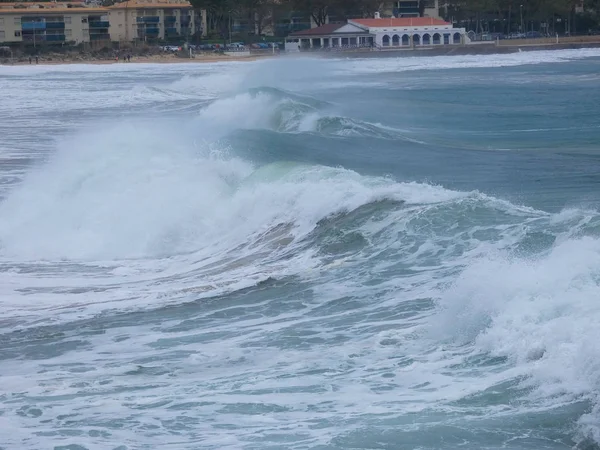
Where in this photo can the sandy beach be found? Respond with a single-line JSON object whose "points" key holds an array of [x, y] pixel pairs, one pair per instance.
{"points": [[481, 48], [55, 59]]}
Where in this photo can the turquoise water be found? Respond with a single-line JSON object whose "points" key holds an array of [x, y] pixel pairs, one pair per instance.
{"points": [[395, 253]]}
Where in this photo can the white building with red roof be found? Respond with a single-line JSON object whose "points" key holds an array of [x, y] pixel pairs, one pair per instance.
{"points": [[381, 33]]}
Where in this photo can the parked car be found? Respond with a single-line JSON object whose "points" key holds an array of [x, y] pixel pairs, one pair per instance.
{"points": [[533, 34], [170, 48]]}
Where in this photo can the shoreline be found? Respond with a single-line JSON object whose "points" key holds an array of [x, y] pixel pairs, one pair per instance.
{"points": [[466, 50], [61, 59]]}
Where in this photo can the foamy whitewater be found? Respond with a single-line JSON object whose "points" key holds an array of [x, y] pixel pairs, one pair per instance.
{"points": [[393, 253]]}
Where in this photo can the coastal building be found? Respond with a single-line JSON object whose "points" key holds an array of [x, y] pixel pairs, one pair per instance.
{"points": [[381, 33], [148, 20], [54, 23], [75, 23]]}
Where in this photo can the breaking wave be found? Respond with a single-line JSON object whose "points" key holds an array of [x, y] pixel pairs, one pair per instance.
{"points": [[494, 305]]}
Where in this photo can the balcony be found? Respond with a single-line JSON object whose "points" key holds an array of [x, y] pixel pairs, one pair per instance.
{"points": [[170, 19], [55, 37], [99, 24], [171, 31], [55, 25], [148, 19], [152, 31], [100, 37], [33, 26]]}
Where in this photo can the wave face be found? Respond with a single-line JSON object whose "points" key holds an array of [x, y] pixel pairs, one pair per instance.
{"points": [[302, 254]]}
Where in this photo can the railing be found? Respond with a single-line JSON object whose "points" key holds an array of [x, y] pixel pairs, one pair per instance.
{"points": [[100, 37], [55, 37], [341, 48], [33, 25], [152, 31], [55, 25], [148, 19], [171, 30], [170, 19], [100, 24]]}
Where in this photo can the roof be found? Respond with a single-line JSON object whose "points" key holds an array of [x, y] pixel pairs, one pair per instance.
{"points": [[40, 5], [153, 4], [402, 22], [318, 31], [17, 5], [53, 10], [77, 7]]}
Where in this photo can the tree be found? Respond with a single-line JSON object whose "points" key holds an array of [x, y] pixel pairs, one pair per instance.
{"points": [[258, 12], [218, 13], [319, 10]]}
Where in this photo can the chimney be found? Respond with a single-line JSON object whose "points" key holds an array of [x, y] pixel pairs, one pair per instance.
{"points": [[377, 15]]}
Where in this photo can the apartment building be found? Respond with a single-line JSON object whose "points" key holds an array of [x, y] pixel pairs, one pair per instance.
{"points": [[414, 8], [71, 22], [39, 23], [148, 20]]}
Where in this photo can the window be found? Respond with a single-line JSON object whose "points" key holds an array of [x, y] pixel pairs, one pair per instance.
{"points": [[68, 32], [17, 34], [120, 25], [1, 20], [67, 19], [84, 20], [17, 21], [1, 34]]}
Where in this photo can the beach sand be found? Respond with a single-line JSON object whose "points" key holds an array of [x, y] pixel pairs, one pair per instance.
{"points": [[482, 48], [151, 59]]}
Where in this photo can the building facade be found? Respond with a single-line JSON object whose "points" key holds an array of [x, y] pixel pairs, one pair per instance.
{"points": [[148, 20], [380, 33], [75, 23], [52, 23]]}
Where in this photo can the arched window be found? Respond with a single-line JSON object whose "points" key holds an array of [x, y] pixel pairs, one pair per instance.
{"points": [[386, 40]]}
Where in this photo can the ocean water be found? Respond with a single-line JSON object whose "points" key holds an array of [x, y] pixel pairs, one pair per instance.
{"points": [[394, 253]]}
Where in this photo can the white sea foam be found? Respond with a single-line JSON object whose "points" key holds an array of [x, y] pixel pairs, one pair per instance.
{"points": [[135, 204], [402, 64], [539, 313], [429, 307]]}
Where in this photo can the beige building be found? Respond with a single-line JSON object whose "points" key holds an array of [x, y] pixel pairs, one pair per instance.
{"points": [[151, 19], [57, 23], [54, 23]]}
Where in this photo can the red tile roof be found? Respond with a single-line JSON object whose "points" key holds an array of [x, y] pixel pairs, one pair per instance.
{"points": [[402, 22], [323, 29]]}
